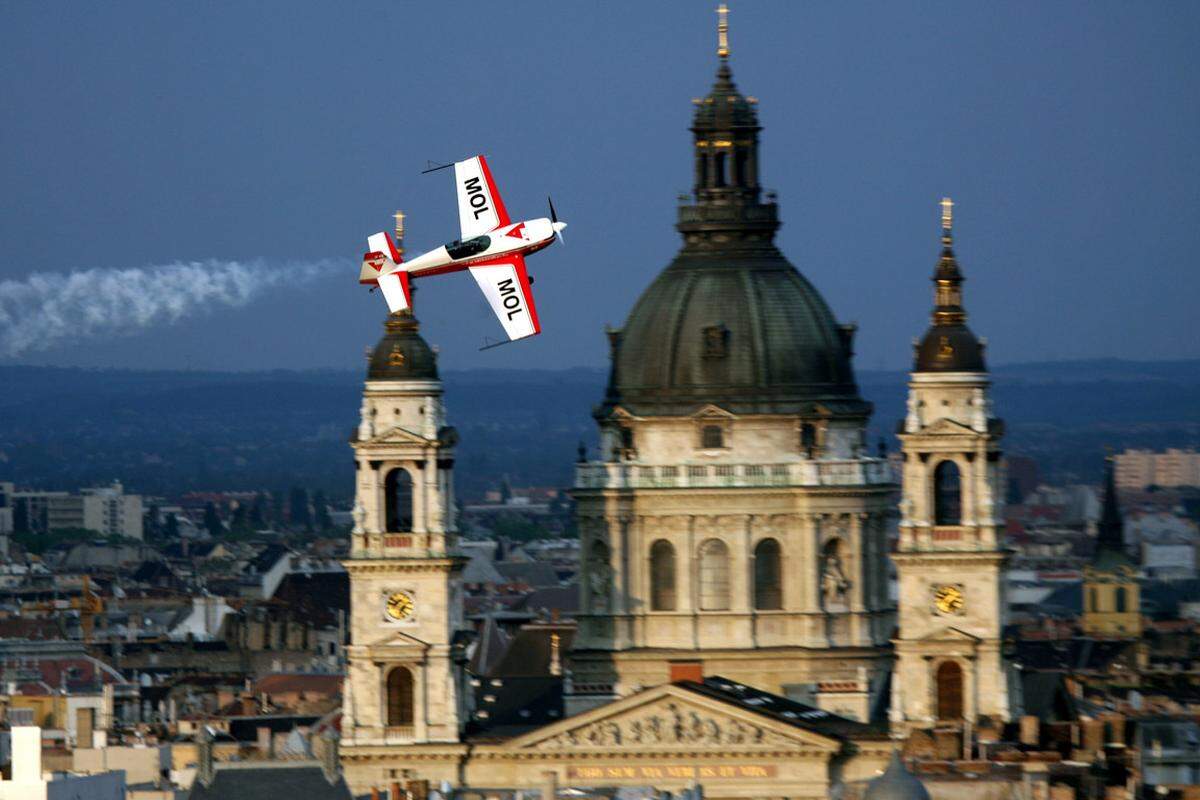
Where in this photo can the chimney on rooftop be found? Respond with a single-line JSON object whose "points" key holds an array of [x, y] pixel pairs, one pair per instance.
{"points": [[329, 755], [204, 752], [85, 722]]}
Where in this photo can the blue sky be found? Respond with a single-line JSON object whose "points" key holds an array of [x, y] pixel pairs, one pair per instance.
{"points": [[135, 134]]}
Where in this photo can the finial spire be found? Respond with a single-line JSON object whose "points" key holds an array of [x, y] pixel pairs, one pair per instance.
{"points": [[399, 216], [723, 31], [947, 216]]}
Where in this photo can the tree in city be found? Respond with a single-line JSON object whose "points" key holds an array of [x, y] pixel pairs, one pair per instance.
{"points": [[300, 514], [212, 522], [20, 518], [258, 512], [324, 522]]}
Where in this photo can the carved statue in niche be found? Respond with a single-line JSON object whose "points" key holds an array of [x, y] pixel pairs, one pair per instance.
{"points": [[600, 580], [835, 586]]}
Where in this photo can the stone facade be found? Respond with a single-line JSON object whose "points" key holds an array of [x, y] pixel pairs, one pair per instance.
{"points": [[823, 515], [669, 737], [405, 681], [950, 558]]}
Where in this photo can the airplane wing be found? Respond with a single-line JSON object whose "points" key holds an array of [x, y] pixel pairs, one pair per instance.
{"points": [[480, 208], [505, 284]]}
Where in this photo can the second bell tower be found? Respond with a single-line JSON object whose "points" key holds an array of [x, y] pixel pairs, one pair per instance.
{"points": [[405, 682], [950, 559]]}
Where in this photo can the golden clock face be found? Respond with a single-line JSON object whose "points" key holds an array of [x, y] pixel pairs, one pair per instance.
{"points": [[949, 599], [399, 605]]}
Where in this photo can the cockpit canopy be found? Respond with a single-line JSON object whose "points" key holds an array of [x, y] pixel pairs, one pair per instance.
{"points": [[459, 249]]}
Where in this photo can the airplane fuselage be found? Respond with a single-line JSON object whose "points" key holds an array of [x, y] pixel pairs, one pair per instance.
{"points": [[521, 238]]}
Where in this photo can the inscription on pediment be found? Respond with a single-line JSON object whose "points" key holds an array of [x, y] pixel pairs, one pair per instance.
{"points": [[669, 724]]}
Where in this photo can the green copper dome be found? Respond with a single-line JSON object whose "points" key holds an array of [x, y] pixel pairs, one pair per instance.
{"points": [[401, 354], [949, 345], [730, 321]]}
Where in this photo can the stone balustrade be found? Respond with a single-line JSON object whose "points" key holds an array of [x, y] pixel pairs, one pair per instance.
{"points": [[824, 472]]}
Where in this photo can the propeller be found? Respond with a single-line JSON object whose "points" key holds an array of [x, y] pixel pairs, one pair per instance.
{"points": [[554, 221]]}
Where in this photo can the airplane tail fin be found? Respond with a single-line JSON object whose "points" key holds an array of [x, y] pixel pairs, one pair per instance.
{"points": [[381, 258]]}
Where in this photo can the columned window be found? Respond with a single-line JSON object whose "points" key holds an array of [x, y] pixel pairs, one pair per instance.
{"points": [[662, 576], [768, 580], [400, 697], [947, 494], [398, 490], [714, 576], [949, 691]]}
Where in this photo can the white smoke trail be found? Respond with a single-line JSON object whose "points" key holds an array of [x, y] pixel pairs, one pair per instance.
{"points": [[44, 308]]}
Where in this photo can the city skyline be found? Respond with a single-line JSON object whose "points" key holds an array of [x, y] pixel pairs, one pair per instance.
{"points": [[246, 135]]}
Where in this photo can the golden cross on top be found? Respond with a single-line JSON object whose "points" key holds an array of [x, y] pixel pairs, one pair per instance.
{"points": [[947, 213], [723, 31]]}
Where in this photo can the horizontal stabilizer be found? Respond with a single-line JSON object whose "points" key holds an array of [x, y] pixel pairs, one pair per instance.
{"points": [[395, 291]]}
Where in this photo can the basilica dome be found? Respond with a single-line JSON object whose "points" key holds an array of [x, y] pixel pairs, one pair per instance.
{"points": [[730, 322], [402, 354]]}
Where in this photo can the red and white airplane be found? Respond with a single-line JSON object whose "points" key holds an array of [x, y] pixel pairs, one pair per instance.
{"points": [[492, 247]]}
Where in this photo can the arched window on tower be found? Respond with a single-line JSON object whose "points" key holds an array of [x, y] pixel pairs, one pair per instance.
{"points": [[947, 494], [719, 170], [1120, 598], [662, 576], [768, 578], [399, 697], [398, 491], [739, 168], [714, 576], [1094, 606], [949, 691]]}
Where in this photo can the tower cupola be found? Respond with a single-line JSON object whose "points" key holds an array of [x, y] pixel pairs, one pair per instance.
{"points": [[948, 345]]}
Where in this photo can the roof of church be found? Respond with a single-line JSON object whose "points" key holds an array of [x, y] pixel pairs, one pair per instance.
{"points": [[949, 345], [280, 779], [785, 710], [896, 783], [402, 354], [730, 322], [1110, 530]]}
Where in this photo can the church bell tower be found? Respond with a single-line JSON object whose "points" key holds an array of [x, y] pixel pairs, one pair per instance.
{"points": [[950, 559], [405, 681]]}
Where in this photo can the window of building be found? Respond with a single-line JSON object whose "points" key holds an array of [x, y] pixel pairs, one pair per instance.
{"points": [[1094, 606], [947, 494], [1120, 596], [768, 581], [626, 438], [808, 439], [662, 576], [714, 576], [400, 697], [949, 691], [712, 437], [398, 490]]}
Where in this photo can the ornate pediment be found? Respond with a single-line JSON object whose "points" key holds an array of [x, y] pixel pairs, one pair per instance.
{"points": [[669, 717], [399, 435], [945, 425], [711, 411], [949, 634], [396, 643]]}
